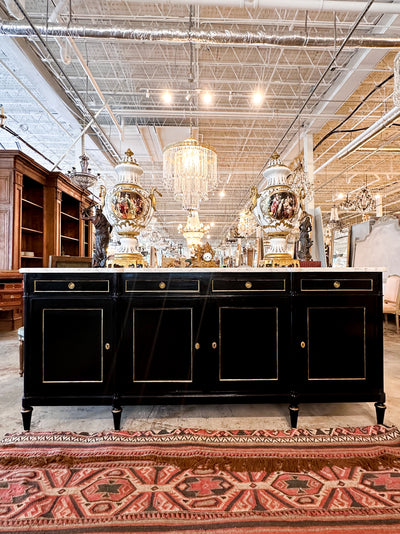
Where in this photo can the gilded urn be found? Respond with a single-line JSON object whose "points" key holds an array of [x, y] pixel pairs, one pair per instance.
{"points": [[128, 208], [276, 208]]}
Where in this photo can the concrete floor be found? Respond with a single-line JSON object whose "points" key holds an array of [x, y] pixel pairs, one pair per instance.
{"points": [[252, 416]]}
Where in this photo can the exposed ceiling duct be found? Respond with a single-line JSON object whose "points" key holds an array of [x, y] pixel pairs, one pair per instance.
{"points": [[229, 38]]}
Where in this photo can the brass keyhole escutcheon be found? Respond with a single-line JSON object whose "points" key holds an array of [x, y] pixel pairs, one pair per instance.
{"points": [[197, 346], [214, 345], [107, 346], [161, 285], [303, 344], [248, 285], [336, 284], [71, 285]]}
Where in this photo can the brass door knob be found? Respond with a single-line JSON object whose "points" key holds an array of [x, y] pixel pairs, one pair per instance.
{"points": [[214, 345], [248, 285], [161, 285], [303, 344], [336, 284], [71, 285], [197, 346], [107, 346]]}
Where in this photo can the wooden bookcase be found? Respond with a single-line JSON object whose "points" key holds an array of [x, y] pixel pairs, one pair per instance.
{"points": [[70, 226], [40, 214], [32, 242]]}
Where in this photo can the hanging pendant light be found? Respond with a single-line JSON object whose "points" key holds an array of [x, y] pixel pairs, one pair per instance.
{"points": [[190, 171], [194, 230], [83, 178], [190, 167]]}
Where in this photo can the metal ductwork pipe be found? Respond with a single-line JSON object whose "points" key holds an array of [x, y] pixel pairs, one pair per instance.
{"points": [[15, 29]]}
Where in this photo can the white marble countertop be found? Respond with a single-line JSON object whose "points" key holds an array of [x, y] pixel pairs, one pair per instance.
{"points": [[195, 269]]}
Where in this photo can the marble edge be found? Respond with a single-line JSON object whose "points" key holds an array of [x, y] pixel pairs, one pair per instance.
{"points": [[205, 269]]}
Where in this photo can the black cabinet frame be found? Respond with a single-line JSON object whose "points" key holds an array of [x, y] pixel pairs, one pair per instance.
{"points": [[173, 336]]}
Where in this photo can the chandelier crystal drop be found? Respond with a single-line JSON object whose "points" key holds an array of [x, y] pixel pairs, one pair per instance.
{"points": [[194, 230], [190, 171], [83, 178]]}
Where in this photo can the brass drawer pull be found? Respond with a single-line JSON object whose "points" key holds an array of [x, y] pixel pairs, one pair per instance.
{"points": [[197, 346], [161, 285], [248, 285], [71, 285], [214, 345], [107, 346], [336, 284], [303, 344]]}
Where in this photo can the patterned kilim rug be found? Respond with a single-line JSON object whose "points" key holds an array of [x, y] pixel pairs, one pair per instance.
{"points": [[341, 481]]}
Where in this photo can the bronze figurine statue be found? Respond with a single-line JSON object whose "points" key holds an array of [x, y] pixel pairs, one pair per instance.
{"points": [[304, 243], [102, 234]]}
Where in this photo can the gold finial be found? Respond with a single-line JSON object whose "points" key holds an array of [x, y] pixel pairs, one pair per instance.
{"points": [[274, 160], [129, 157]]}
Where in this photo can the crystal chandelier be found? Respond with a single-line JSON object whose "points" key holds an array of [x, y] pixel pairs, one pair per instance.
{"points": [[362, 202], [194, 230], [334, 222], [83, 178], [247, 224], [299, 181], [190, 171]]}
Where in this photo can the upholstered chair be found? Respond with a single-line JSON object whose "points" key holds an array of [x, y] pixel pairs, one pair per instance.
{"points": [[391, 298]]}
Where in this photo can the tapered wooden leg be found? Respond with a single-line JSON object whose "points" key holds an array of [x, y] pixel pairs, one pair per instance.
{"points": [[380, 409], [294, 414], [26, 413], [116, 412]]}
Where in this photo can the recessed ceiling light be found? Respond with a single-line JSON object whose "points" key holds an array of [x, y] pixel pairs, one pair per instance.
{"points": [[222, 193], [257, 98], [207, 98], [167, 97]]}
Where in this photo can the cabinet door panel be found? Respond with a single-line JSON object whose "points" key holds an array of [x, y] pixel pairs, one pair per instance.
{"points": [[345, 356], [67, 348], [162, 344], [249, 353], [338, 346], [73, 345]]}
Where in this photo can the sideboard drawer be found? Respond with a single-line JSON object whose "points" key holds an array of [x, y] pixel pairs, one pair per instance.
{"points": [[162, 285], [72, 285], [337, 284], [248, 284]]}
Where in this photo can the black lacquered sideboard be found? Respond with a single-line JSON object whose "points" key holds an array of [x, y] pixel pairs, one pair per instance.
{"points": [[151, 336]]}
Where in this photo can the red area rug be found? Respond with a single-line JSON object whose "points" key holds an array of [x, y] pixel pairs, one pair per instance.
{"points": [[341, 480]]}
